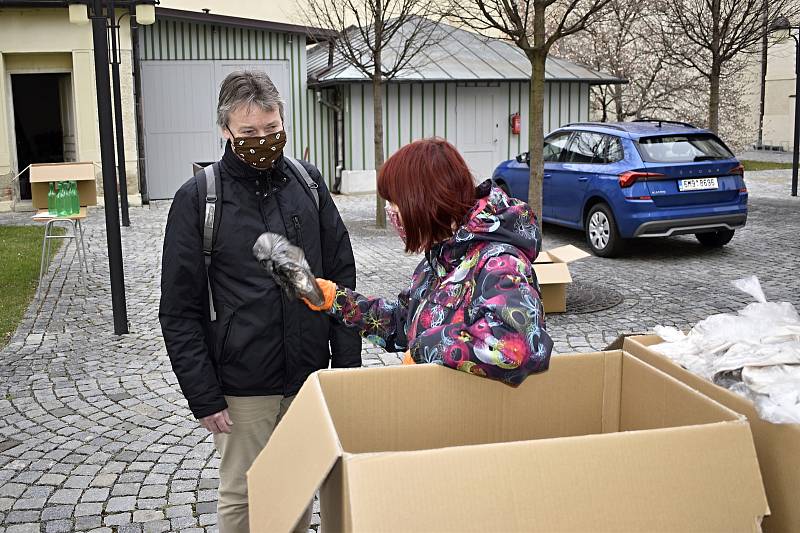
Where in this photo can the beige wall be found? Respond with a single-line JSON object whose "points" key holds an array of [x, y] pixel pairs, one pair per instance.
{"points": [[779, 104], [288, 11], [43, 40]]}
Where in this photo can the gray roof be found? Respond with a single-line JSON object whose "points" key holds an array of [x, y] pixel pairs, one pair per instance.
{"points": [[453, 55]]}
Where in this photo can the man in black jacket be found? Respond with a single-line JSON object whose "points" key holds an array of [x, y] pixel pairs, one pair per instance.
{"points": [[240, 373]]}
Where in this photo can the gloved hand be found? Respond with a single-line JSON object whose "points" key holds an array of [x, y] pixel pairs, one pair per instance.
{"points": [[407, 359], [328, 291]]}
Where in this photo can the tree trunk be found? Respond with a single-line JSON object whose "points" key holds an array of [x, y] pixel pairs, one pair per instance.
{"points": [[713, 97], [377, 112], [536, 130], [716, 68], [618, 102]]}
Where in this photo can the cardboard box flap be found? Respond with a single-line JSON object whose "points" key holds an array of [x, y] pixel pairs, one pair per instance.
{"points": [[301, 452], [371, 411], [543, 257], [776, 444], [552, 273], [45, 172], [702, 478], [567, 254]]}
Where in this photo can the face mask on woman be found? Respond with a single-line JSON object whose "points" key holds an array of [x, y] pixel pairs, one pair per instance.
{"points": [[394, 218]]}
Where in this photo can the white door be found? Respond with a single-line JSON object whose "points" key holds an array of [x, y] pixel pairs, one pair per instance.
{"points": [[478, 129], [179, 100], [179, 103]]}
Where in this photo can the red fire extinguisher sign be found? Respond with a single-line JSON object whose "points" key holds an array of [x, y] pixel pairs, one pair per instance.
{"points": [[516, 124]]}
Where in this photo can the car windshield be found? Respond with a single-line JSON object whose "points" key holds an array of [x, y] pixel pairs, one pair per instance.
{"points": [[682, 149]]}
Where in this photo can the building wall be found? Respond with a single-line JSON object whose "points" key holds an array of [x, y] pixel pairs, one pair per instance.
{"points": [[43, 40], [170, 39], [417, 110], [779, 99]]}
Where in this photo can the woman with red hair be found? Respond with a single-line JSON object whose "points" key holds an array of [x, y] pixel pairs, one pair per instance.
{"points": [[474, 302]]}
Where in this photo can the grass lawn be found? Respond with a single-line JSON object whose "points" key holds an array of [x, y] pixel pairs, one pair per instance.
{"points": [[764, 165], [20, 253]]}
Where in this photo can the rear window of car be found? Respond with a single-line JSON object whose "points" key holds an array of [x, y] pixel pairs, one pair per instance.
{"points": [[682, 149]]}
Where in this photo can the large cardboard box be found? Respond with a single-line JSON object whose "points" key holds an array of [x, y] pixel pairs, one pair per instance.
{"points": [[600, 442], [552, 271], [41, 174], [777, 445]]}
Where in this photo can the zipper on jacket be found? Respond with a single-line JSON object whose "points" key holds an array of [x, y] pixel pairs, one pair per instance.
{"points": [[298, 229]]}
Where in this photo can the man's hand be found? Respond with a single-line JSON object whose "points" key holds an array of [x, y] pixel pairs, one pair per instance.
{"points": [[218, 422]]}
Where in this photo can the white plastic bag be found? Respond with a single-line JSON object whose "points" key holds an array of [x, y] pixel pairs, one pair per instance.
{"points": [[761, 343]]}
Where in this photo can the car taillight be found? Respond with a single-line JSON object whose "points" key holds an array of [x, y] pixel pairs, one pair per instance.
{"points": [[738, 170], [626, 179]]}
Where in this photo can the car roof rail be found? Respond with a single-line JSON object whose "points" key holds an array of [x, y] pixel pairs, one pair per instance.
{"points": [[596, 124], [662, 121]]}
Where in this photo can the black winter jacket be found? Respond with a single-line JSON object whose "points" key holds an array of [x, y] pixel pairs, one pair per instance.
{"points": [[262, 343]]}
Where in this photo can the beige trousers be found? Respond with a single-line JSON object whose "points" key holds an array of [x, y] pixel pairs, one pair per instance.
{"points": [[254, 419]]}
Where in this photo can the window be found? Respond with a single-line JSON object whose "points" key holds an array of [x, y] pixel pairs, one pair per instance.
{"points": [[682, 149], [594, 148], [554, 145]]}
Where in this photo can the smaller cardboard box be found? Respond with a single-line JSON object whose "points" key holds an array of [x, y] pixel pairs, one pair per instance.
{"points": [[41, 174], [553, 275], [777, 445], [599, 442]]}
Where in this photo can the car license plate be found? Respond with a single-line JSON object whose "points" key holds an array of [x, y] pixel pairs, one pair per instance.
{"points": [[698, 184]]}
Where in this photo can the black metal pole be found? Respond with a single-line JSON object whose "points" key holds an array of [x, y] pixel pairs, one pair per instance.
{"points": [[115, 60], [113, 237], [796, 154]]}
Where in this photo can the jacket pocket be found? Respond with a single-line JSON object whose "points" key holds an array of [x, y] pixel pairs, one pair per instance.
{"points": [[224, 349], [298, 230]]}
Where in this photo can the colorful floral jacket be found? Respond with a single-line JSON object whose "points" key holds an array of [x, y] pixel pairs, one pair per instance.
{"points": [[474, 302]]}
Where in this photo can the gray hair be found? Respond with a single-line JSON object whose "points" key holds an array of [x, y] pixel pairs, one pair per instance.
{"points": [[246, 88]]}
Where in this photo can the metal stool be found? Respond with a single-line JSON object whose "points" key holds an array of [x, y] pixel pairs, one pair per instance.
{"points": [[77, 235]]}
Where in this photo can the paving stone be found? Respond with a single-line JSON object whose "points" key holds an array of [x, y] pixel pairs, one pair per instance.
{"points": [[206, 507], [57, 512], [88, 509], [95, 495], [58, 526], [122, 503], [88, 522], [153, 491], [177, 498], [23, 528], [179, 510], [66, 496], [117, 519], [18, 517], [157, 526], [147, 515], [183, 522]]}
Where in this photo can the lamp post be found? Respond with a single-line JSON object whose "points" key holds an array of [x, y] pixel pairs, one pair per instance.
{"points": [[782, 24]]}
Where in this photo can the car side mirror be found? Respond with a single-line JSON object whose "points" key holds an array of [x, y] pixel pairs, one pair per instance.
{"points": [[524, 157]]}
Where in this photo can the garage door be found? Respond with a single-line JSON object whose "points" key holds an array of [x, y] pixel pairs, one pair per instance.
{"points": [[179, 101]]}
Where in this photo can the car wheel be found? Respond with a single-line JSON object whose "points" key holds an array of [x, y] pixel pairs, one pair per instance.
{"points": [[601, 232], [715, 239]]}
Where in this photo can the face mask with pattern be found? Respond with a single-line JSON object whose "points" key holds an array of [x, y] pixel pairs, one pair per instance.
{"points": [[394, 219], [259, 152]]}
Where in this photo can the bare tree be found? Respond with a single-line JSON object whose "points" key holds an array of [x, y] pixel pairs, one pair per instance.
{"points": [[379, 38], [621, 46], [534, 26], [715, 36]]}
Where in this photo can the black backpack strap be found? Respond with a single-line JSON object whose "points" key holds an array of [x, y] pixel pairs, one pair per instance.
{"points": [[303, 173], [209, 196]]}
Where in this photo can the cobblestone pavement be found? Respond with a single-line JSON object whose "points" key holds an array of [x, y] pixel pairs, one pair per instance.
{"points": [[95, 435]]}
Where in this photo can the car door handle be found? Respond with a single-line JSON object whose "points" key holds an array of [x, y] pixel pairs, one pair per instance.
{"points": [[547, 176], [583, 178]]}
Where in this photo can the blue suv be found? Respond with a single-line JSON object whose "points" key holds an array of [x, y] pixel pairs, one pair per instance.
{"points": [[625, 180]]}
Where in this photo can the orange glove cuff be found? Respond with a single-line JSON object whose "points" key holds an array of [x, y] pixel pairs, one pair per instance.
{"points": [[408, 360], [328, 292]]}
